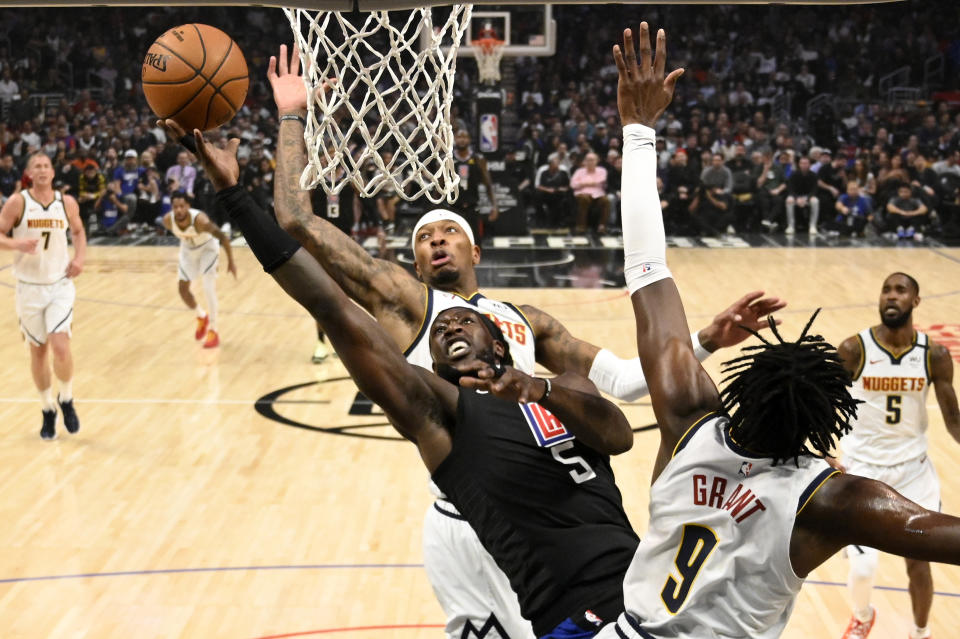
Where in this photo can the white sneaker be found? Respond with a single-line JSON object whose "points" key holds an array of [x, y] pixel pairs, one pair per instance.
{"points": [[812, 231], [320, 353], [790, 230], [918, 237], [731, 230]]}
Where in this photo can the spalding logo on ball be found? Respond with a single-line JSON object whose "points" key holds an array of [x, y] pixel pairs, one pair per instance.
{"points": [[196, 75]]}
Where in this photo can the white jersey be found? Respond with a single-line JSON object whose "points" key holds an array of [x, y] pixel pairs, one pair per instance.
{"points": [[715, 561], [190, 237], [516, 329], [891, 424], [47, 224]]}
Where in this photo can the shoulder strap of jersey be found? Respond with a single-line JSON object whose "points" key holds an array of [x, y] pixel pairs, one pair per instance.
{"points": [[23, 209], [427, 312], [814, 486], [863, 358], [687, 436], [523, 316]]}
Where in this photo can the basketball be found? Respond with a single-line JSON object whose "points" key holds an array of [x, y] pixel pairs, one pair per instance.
{"points": [[196, 75]]}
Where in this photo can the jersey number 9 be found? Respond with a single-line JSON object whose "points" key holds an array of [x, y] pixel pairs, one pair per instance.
{"points": [[695, 547]]}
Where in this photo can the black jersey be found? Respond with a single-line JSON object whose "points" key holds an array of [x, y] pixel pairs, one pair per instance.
{"points": [[543, 505], [336, 209], [470, 178]]}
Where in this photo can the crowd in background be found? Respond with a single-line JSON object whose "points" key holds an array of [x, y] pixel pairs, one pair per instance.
{"points": [[737, 151]]}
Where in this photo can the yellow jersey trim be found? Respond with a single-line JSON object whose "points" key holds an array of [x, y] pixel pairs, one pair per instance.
{"points": [[814, 491], [689, 432]]}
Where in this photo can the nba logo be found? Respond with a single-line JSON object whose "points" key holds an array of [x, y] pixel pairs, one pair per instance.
{"points": [[745, 469], [489, 133]]}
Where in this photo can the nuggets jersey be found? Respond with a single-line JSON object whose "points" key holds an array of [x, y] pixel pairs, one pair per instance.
{"points": [[516, 329], [715, 561], [47, 224], [891, 424], [190, 237]]}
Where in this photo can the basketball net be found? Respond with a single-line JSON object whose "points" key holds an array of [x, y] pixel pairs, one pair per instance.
{"points": [[489, 52], [386, 120]]}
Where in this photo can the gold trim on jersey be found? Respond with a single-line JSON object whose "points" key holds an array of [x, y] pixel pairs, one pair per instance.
{"points": [[814, 491], [22, 212], [894, 359], [524, 316], [927, 361], [427, 305], [689, 432], [863, 358]]}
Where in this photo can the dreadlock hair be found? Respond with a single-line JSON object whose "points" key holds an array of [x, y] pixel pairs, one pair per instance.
{"points": [[780, 397]]}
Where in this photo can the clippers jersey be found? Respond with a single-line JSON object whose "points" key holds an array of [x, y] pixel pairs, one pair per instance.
{"points": [[544, 506], [508, 317], [47, 224], [891, 424], [715, 561], [190, 237]]}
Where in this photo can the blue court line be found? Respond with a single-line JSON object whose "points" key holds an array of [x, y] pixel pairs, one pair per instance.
{"points": [[174, 571]]}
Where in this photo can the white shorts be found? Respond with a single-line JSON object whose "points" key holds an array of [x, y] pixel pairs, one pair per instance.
{"points": [[472, 590], [197, 262], [916, 480], [45, 308]]}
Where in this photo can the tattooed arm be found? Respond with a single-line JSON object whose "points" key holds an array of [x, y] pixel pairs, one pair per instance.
{"points": [[384, 289]]}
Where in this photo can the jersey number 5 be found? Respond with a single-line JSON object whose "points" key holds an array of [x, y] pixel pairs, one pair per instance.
{"points": [[893, 409], [695, 547], [582, 472]]}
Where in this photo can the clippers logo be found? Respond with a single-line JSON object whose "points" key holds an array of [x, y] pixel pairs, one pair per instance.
{"points": [[489, 133], [745, 469], [547, 429]]}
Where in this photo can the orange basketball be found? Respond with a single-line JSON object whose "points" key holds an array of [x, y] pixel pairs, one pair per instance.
{"points": [[195, 74]]}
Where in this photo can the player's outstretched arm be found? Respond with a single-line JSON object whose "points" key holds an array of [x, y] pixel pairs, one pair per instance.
{"points": [[561, 352], [680, 389], [77, 234], [849, 509], [941, 373], [595, 421], [204, 223], [378, 285]]}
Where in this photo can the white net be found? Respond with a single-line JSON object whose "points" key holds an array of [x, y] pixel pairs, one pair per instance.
{"points": [[488, 52], [386, 120]]}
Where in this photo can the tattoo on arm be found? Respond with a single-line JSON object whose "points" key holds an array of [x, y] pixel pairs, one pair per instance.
{"points": [[556, 348]]}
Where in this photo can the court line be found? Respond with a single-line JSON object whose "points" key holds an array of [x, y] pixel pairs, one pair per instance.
{"points": [[161, 400], [328, 631]]}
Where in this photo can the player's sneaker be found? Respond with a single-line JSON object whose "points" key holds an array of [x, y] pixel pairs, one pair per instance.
{"points": [[70, 419], [320, 353], [860, 629], [213, 340], [790, 230], [49, 429], [202, 324]]}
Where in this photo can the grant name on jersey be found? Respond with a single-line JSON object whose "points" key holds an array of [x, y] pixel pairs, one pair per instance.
{"points": [[741, 504], [885, 384]]}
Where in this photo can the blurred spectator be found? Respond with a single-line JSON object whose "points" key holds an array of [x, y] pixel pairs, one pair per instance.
{"points": [[9, 89], [801, 194], [552, 186], [949, 164], [91, 187], [772, 185], [854, 211], [906, 215], [744, 173], [717, 175], [9, 177], [126, 182], [589, 185], [183, 172], [712, 210]]}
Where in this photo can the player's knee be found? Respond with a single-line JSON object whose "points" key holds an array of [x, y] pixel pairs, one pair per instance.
{"points": [[60, 344], [791, 200], [863, 565]]}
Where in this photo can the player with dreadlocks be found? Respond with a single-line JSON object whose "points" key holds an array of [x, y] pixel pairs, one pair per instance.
{"points": [[743, 506]]}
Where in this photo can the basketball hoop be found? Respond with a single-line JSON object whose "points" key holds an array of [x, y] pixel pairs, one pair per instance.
{"points": [[488, 52], [386, 121]]}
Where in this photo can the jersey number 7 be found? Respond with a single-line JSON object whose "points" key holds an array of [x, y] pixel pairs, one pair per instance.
{"points": [[696, 545]]}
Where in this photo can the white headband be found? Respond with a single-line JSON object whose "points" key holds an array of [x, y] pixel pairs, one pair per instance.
{"points": [[437, 215]]}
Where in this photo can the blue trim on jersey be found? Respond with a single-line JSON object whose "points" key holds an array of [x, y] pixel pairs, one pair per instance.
{"points": [[812, 487], [738, 449], [567, 629], [895, 360], [520, 313], [447, 513], [687, 436], [863, 358], [635, 624], [423, 325]]}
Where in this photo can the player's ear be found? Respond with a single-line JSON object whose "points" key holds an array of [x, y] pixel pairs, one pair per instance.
{"points": [[916, 301], [476, 254], [499, 349]]}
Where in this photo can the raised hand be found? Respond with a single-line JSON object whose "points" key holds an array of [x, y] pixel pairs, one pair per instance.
{"points": [[289, 91], [751, 311], [643, 93], [220, 165]]}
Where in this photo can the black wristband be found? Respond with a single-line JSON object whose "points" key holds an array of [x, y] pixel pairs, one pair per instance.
{"points": [[546, 393], [270, 244], [292, 116]]}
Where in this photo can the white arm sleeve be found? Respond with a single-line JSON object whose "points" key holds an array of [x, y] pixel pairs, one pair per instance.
{"points": [[644, 241], [623, 378]]}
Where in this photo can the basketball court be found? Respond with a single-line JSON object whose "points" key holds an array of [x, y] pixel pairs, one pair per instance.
{"points": [[243, 492]]}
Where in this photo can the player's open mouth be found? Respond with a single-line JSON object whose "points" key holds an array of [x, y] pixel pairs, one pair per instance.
{"points": [[439, 258], [458, 349]]}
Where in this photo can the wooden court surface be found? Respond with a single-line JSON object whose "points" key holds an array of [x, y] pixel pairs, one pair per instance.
{"points": [[180, 511]]}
